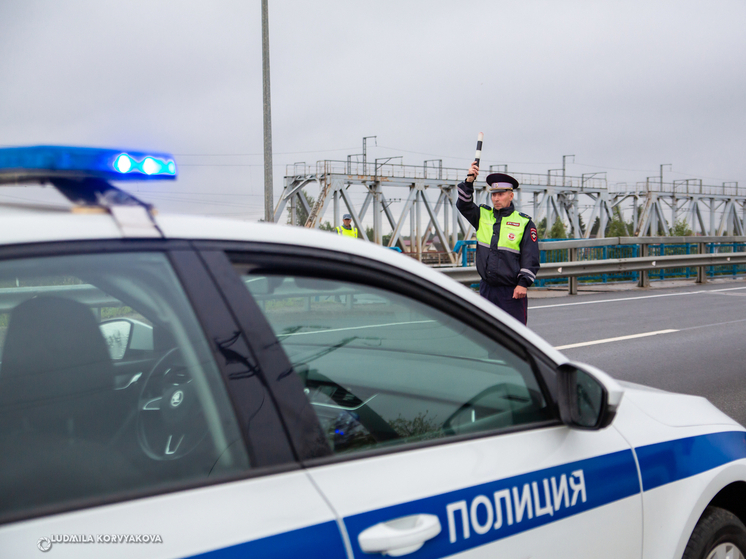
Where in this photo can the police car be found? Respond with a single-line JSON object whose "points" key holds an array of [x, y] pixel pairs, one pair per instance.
{"points": [[177, 386]]}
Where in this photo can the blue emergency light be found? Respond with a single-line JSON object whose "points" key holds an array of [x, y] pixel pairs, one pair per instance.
{"points": [[24, 164]]}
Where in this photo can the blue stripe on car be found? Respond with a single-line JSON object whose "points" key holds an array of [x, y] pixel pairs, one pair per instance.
{"points": [[321, 541], [663, 463]]}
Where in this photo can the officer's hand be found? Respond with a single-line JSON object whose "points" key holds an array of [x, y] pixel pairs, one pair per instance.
{"points": [[519, 292], [473, 172]]}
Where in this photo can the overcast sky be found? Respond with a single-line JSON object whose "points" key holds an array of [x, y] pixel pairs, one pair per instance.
{"points": [[624, 86]]}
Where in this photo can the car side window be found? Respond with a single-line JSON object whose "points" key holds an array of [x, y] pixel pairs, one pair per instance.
{"points": [[107, 384], [382, 369]]}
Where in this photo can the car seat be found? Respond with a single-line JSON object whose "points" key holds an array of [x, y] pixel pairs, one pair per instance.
{"points": [[56, 372]]}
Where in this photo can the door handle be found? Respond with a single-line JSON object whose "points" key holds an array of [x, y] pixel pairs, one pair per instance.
{"points": [[399, 536]]}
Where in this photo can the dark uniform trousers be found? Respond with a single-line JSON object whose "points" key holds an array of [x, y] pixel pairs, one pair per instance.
{"points": [[502, 296]]}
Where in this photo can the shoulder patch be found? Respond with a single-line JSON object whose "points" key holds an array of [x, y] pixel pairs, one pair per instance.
{"points": [[524, 215], [485, 206]]}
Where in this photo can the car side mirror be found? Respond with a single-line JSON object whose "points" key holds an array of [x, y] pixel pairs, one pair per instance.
{"points": [[116, 333], [588, 398], [123, 334], [258, 285], [263, 285]]}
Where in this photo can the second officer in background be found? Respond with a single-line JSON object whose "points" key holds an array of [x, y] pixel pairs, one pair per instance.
{"points": [[507, 243], [346, 229]]}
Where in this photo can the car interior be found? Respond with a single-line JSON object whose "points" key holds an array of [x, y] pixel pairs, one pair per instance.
{"points": [[106, 384]]}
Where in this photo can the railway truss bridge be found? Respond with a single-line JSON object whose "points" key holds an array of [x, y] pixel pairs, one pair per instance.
{"points": [[419, 202]]}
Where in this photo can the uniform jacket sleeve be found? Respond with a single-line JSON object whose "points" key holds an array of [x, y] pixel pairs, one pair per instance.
{"points": [[529, 256], [466, 205]]}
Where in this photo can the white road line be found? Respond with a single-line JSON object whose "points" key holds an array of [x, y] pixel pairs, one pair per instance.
{"points": [[716, 324], [635, 298], [620, 338], [727, 289]]}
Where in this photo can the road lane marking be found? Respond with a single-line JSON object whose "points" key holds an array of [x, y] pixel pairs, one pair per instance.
{"points": [[725, 289], [720, 291], [618, 339], [711, 325], [635, 298], [616, 300]]}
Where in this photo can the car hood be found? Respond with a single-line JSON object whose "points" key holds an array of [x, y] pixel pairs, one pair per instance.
{"points": [[674, 410]]}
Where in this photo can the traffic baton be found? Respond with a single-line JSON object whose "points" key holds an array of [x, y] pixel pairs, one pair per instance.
{"points": [[478, 154]]}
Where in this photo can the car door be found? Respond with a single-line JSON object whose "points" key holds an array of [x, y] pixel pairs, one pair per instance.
{"points": [[134, 420], [444, 436]]}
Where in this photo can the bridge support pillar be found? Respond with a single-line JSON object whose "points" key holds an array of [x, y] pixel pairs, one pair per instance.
{"points": [[573, 279], [644, 280], [702, 270]]}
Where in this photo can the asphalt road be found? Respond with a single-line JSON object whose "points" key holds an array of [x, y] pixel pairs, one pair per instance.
{"points": [[698, 345]]}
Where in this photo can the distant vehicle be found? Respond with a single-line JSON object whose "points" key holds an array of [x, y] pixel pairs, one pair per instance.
{"points": [[176, 386]]}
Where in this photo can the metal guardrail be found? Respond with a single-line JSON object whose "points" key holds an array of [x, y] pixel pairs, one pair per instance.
{"points": [[612, 241], [91, 296], [548, 270], [575, 268]]}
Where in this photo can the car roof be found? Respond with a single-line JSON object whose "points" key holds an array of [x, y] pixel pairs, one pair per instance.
{"points": [[27, 226]]}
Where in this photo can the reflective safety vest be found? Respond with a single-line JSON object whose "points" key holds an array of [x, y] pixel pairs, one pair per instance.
{"points": [[351, 232], [512, 228]]}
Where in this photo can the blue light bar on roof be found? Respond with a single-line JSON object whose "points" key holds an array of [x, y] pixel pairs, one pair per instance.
{"points": [[44, 162]]}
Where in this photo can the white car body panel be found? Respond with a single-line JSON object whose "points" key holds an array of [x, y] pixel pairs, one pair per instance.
{"points": [[649, 417], [672, 511], [39, 227], [235, 512], [679, 410]]}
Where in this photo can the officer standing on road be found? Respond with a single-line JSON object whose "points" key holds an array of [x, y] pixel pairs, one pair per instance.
{"points": [[347, 230], [507, 243]]}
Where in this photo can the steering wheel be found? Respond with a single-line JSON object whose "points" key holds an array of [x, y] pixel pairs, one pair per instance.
{"points": [[347, 413], [496, 407], [486, 410], [170, 423]]}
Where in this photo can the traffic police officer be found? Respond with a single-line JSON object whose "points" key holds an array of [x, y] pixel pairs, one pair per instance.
{"points": [[346, 230], [507, 243]]}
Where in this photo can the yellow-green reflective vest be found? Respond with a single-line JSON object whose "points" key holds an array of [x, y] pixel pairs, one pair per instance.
{"points": [[512, 228], [352, 232]]}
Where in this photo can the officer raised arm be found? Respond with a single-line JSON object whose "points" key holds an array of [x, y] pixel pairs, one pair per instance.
{"points": [[507, 243]]}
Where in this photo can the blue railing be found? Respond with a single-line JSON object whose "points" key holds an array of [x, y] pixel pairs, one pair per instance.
{"points": [[468, 250], [590, 253]]}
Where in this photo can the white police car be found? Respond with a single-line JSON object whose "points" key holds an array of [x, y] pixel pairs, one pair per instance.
{"points": [[190, 387]]}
